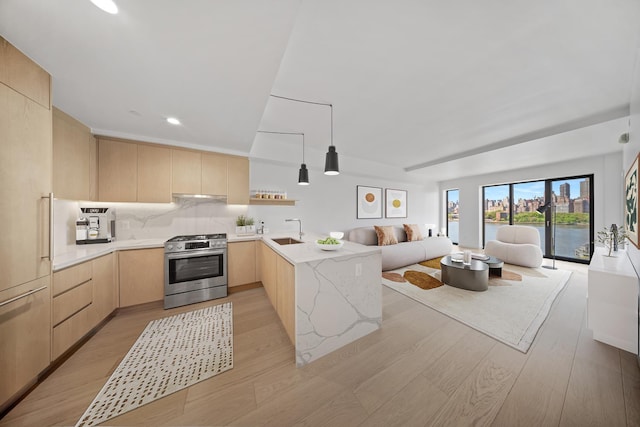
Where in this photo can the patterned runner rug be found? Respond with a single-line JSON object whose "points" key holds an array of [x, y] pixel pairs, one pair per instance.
{"points": [[511, 310], [171, 353]]}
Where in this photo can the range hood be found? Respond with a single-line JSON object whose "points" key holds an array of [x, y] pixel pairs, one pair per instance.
{"points": [[203, 197]]}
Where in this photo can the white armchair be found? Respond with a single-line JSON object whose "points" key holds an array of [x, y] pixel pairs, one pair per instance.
{"points": [[516, 244]]}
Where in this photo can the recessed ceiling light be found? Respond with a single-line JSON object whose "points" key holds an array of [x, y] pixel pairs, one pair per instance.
{"points": [[107, 5], [173, 120]]}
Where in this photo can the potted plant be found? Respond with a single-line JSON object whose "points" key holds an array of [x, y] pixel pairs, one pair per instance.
{"points": [[245, 225], [611, 238], [241, 221], [250, 228]]}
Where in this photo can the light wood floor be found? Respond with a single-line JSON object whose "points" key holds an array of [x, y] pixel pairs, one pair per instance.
{"points": [[422, 368]]}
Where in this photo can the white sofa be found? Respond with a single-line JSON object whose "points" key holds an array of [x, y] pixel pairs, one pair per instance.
{"points": [[516, 244], [402, 253]]}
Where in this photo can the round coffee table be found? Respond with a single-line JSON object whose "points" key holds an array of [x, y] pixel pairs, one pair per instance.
{"points": [[495, 266], [472, 277]]}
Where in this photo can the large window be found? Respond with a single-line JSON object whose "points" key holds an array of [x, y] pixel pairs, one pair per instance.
{"points": [[566, 227], [496, 209], [453, 200]]}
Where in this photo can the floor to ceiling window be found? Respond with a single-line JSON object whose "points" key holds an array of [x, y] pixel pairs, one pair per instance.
{"points": [[573, 225], [566, 228], [497, 210], [453, 201]]}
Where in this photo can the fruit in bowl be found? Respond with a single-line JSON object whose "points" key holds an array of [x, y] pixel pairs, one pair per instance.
{"points": [[329, 244]]}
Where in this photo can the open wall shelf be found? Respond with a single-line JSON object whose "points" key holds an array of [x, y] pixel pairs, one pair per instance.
{"points": [[274, 202]]}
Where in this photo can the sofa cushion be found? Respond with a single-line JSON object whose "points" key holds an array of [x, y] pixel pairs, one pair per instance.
{"points": [[386, 235], [413, 232]]}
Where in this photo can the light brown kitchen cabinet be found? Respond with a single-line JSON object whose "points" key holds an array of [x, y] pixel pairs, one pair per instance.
{"points": [[241, 264], [278, 278], [141, 276], [186, 172], [214, 174], [105, 290], [25, 266], [74, 156], [267, 260], [154, 174], [286, 290], [72, 297], [19, 72], [117, 171], [25, 336], [238, 180], [83, 296]]}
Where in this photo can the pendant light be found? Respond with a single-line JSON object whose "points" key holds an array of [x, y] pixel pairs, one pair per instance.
{"points": [[331, 160], [303, 173]]}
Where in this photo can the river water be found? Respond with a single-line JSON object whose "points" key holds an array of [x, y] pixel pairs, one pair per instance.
{"points": [[568, 237]]}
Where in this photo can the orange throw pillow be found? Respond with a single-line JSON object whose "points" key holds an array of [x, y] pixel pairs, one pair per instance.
{"points": [[386, 236], [413, 232]]}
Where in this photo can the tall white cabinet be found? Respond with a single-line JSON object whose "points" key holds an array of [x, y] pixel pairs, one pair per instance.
{"points": [[612, 300]]}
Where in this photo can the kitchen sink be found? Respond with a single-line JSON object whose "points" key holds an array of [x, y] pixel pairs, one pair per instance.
{"points": [[286, 241]]}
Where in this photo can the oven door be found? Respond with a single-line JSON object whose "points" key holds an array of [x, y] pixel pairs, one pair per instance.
{"points": [[188, 271]]}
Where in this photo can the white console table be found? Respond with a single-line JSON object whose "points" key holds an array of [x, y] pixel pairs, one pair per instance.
{"points": [[612, 300]]}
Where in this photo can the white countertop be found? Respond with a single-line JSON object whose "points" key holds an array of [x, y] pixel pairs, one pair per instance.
{"points": [[295, 253], [75, 254], [308, 251]]}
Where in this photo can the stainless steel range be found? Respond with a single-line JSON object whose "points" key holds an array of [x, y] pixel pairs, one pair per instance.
{"points": [[195, 269]]}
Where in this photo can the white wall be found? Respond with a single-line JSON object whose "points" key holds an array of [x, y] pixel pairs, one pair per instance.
{"points": [[329, 202], [607, 203], [632, 149]]}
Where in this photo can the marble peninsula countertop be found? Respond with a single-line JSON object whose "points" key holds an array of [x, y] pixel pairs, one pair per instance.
{"points": [[295, 253]]}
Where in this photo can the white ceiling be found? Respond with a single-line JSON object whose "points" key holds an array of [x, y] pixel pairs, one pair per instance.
{"points": [[420, 86]]}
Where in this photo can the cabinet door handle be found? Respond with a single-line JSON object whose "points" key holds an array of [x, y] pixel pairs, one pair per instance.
{"points": [[26, 294], [49, 256]]}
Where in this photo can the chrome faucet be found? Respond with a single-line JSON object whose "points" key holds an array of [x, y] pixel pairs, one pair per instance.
{"points": [[299, 224]]}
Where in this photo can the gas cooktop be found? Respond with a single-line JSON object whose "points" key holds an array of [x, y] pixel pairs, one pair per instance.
{"points": [[217, 236]]}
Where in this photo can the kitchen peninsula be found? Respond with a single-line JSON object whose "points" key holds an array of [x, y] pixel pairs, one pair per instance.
{"points": [[333, 297], [325, 299]]}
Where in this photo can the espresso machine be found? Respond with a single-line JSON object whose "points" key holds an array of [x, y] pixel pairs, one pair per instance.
{"points": [[96, 225]]}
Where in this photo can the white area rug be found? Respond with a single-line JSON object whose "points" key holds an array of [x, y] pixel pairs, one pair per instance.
{"points": [[510, 311], [171, 353]]}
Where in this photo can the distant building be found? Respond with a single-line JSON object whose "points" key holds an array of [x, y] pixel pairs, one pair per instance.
{"points": [[584, 189], [565, 190], [581, 205]]}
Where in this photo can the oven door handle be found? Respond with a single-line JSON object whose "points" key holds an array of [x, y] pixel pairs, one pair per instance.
{"points": [[182, 255]]}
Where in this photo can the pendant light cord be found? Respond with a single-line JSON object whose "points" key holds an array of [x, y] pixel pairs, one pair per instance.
{"points": [[286, 133], [310, 102]]}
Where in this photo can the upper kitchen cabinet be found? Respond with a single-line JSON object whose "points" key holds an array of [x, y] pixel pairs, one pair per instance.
{"points": [[25, 168], [117, 171], [154, 174], [214, 174], [238, 180], [186, 171], [23, 75], [74, 159]]}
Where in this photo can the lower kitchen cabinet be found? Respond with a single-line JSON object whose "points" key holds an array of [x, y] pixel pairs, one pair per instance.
{"points": [[267, 264], [83, 296], [25, 336], [241, 263], [286, 290], [105, 289], [141, 276], [278, 278]]}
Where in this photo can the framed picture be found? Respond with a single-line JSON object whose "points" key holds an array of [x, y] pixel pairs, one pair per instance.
{"points": [[369, 202], [396, 206], [631, 202]]}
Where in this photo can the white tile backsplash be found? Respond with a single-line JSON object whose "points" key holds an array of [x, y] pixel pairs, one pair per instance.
{"points": [[150, 220]]}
